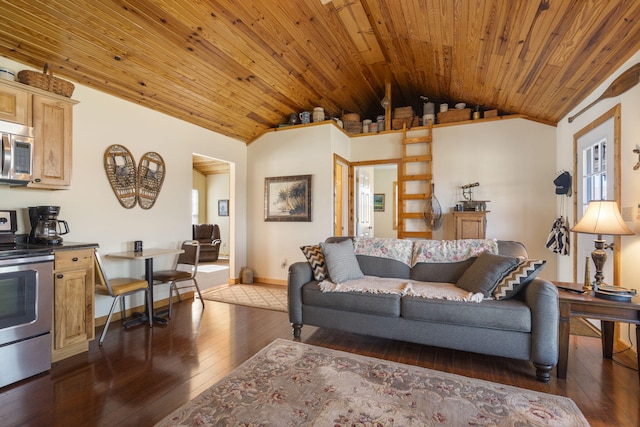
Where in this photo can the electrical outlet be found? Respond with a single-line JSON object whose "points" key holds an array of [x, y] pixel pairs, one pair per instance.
{"points": [[283, 264], [627, 213]]}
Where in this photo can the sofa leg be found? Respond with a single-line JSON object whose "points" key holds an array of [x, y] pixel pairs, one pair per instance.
{"points": [[543, 372], [297, 330]]}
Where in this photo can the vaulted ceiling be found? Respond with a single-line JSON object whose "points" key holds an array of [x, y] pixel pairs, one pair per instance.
{"points": [[241, 67]]}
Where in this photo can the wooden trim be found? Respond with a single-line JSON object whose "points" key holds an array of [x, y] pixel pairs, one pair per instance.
{"points": [[267, 281], [614, 113]]}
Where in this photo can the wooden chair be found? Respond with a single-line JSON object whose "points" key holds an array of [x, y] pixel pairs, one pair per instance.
{"points": [[184, 270], [118, 289]]}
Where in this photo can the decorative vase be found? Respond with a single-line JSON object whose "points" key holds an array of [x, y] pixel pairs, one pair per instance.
{"points": [[586, 287]]}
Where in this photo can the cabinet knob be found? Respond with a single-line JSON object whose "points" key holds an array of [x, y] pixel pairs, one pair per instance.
{"points": [[74, 259], [37, 180], [60, 276]]}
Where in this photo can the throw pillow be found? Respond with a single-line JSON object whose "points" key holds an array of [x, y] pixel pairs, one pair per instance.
{"points": [[314, 255], [341, 261], [485, 273], [513, 282]]}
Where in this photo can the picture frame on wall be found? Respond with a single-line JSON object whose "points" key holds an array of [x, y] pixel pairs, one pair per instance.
{"points": [[223, 207], [287, 198], [378, 202]]}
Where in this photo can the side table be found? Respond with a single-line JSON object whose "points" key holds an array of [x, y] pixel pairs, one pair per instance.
{"points": [[574, 304]]}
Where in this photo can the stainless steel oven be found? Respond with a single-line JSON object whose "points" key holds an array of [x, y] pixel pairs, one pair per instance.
{"points": [[26, 300]]}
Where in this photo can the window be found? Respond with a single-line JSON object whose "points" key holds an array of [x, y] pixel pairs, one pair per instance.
{"points": [[594, 173]]}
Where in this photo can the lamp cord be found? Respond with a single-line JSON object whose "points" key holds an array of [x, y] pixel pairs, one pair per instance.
{"points": [[624, 350]]}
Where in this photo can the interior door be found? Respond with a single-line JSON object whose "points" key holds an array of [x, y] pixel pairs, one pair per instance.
{"points": [[364, 205]]}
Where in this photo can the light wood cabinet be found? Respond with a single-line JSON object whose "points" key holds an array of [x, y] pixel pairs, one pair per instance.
{"points": [[52, 122], [470, 225], [73, 302], [15, 105], [51, 117]]}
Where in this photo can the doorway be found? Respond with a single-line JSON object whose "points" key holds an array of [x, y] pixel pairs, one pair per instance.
{"points": [[376, 203], [212, 203]]}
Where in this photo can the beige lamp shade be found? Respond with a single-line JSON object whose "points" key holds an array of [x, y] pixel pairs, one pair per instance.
{"points": [[602, 217]]}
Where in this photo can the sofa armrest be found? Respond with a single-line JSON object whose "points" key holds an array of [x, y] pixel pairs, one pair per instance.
{"points": [[542, 298], [300, 273]]}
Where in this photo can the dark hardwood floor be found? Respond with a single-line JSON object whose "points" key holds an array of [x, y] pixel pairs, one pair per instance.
{"points": [[141, 375]]}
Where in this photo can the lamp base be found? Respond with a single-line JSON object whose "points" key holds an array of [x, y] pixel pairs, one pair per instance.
{"points": [[614, 293]]}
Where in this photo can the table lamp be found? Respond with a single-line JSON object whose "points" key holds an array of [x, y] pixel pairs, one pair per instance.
{"points": [[602, 217]]}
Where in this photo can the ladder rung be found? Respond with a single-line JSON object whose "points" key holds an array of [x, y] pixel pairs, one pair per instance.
{"points": [[412, 215], [412, 159], [417, 140], [420, 177], [414, 234]]}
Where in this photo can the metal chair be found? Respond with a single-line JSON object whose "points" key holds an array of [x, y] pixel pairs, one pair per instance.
{"points": [[118, 289], [184, 270]]}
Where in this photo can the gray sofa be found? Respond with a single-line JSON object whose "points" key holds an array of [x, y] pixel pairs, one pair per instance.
{"points": [[524, 327]]}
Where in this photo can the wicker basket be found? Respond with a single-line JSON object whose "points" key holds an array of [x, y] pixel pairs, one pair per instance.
{"points": [[46, 81]]}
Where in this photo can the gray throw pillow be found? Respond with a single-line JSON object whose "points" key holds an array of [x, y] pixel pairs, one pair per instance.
{"points": [[341, 261], [485, 273]]}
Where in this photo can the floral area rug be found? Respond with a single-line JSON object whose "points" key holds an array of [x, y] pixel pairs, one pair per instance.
{"points": [[250, 295], [293, 384]]}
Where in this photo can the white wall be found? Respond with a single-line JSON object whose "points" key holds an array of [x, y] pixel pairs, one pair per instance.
{"points": [[514, 161], [273, 246], [384, 177], [630, 179], [92, 210]]}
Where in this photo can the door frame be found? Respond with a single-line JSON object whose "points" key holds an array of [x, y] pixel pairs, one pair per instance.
{"points": [[614, 113]]}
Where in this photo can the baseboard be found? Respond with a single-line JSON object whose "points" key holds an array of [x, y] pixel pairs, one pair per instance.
{"points": [[268, 281]]}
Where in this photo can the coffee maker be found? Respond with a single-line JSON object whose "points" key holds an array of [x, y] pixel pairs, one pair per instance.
{"points": [[46, 228]]}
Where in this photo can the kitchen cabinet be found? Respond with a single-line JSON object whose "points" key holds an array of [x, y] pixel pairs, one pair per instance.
{"points": [[15, 105], [73, 302], [51, 117], [52, 123], [470, 224]]}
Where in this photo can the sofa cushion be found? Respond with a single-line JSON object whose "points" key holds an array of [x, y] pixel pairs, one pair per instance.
{"points": [[383, 267], [511, 315], [445, 272], [485, 273], [341, 261], [517, 279], [315, 257], [361, 302]]}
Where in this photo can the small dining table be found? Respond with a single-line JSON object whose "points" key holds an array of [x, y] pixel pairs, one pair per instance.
{"points": [[147, 255]]}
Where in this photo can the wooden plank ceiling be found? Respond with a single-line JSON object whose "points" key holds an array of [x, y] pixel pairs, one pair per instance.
{"points": [[241, 67]]}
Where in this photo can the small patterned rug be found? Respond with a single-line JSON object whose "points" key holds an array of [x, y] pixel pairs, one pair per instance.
{"points": [[250, 295], [289, 383]]}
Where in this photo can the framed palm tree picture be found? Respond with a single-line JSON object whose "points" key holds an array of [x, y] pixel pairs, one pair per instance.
{"points": [[287, 198]]}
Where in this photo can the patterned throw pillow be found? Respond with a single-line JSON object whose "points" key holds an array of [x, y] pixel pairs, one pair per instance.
{"points": [[517, 279], [314, 255]]}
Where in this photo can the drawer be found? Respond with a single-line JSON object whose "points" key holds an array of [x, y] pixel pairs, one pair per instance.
{"points": [[67, 260]]}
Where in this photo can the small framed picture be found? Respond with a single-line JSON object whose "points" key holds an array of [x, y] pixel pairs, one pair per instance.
{"points": [[378, 202], [223, 207]]}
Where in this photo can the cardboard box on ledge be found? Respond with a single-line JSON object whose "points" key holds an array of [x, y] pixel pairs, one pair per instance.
{"points": [[454, 115]]}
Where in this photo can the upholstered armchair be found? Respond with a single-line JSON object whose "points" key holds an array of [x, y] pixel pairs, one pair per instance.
{"points": [[208, 235]]}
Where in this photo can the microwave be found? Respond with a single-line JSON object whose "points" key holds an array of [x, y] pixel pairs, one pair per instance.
{"points": [[16, 160]]}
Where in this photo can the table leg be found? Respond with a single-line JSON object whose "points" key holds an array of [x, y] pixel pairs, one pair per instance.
{"points": [[563, 347], [148, 272], [607, 339], [637, 341]]}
